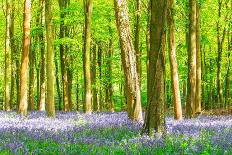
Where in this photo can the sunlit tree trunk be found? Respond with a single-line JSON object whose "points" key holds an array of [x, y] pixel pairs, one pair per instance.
{"points": [[128, 57], [192, 60], [154, 119], [87, 42], [24, 61], [7, 58], [173, 63], [50, 61], [198, 60]]}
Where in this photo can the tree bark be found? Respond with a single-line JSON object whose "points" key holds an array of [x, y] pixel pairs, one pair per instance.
{"points": [[192, 60], [94, 76], [42, 97], [87, 42], [198, 60], [24, 61], [173, 63], [7, 58], [50, 61], [155, 117], [128, 58]]}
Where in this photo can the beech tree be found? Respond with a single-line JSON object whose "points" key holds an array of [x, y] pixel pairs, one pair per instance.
{"points": [[24, 61], [133, 98], [155, 117], [50, 105], [86, 59], [173, 62]]}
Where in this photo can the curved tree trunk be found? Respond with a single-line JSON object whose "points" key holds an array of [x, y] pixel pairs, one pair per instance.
{"points": [[173, 63], [128, 57]]}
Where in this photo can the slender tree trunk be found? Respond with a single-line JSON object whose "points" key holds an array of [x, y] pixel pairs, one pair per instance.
{"points": [[31, 79], [228, 99], [109, 65], [70, 77], [192, 60], [173, 63], [50, 63], [137, 35], [198, 61], [94, 76], [13, 55], [42, 97], [154, 120], [24, 61], [87, 43], [7, 58], [63, 57], [77, 93], [58, 83], [99, 61], [128, 57]]}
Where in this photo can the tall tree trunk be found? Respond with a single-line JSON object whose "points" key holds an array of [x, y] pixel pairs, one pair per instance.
{"points": [[154, 120], [63, 55], [198, 60], [31, 79], [227, 90], [13, 55], [128, 57], [50, 63], [58, 82], [77, 93], [94, 77], [99, 61], [24, 61], [137, 35], [42, 97], [87, 43], [7, 58], [109, 69], [220, 41], [70, 77], [192, 60], [173, 63]]}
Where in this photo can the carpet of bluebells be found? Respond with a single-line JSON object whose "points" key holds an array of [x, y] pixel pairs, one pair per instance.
{"points": [[110, 133]]}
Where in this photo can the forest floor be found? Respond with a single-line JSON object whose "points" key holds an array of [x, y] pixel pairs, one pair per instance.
{"points": [[110, 133]]}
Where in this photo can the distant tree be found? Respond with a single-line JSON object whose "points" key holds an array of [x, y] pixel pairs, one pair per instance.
{"points": [[155, 117], [50, 105], [86, 58], [133, 98], [24, 61]]}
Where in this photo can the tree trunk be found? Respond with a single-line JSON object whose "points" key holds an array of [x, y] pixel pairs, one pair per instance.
{"points": [[137, 35], [87, 43], [228, 99], [77, 93], [198, 60], [173, 63], [42, 61], [50, 61], [155, 117], [24, 61], [58, 83], [7, 58], [94, 76], [70, 77], [128, 57], [13, 55], [99, 61], [63, 55], [31, 79], [192, 60], [109, 70]]}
